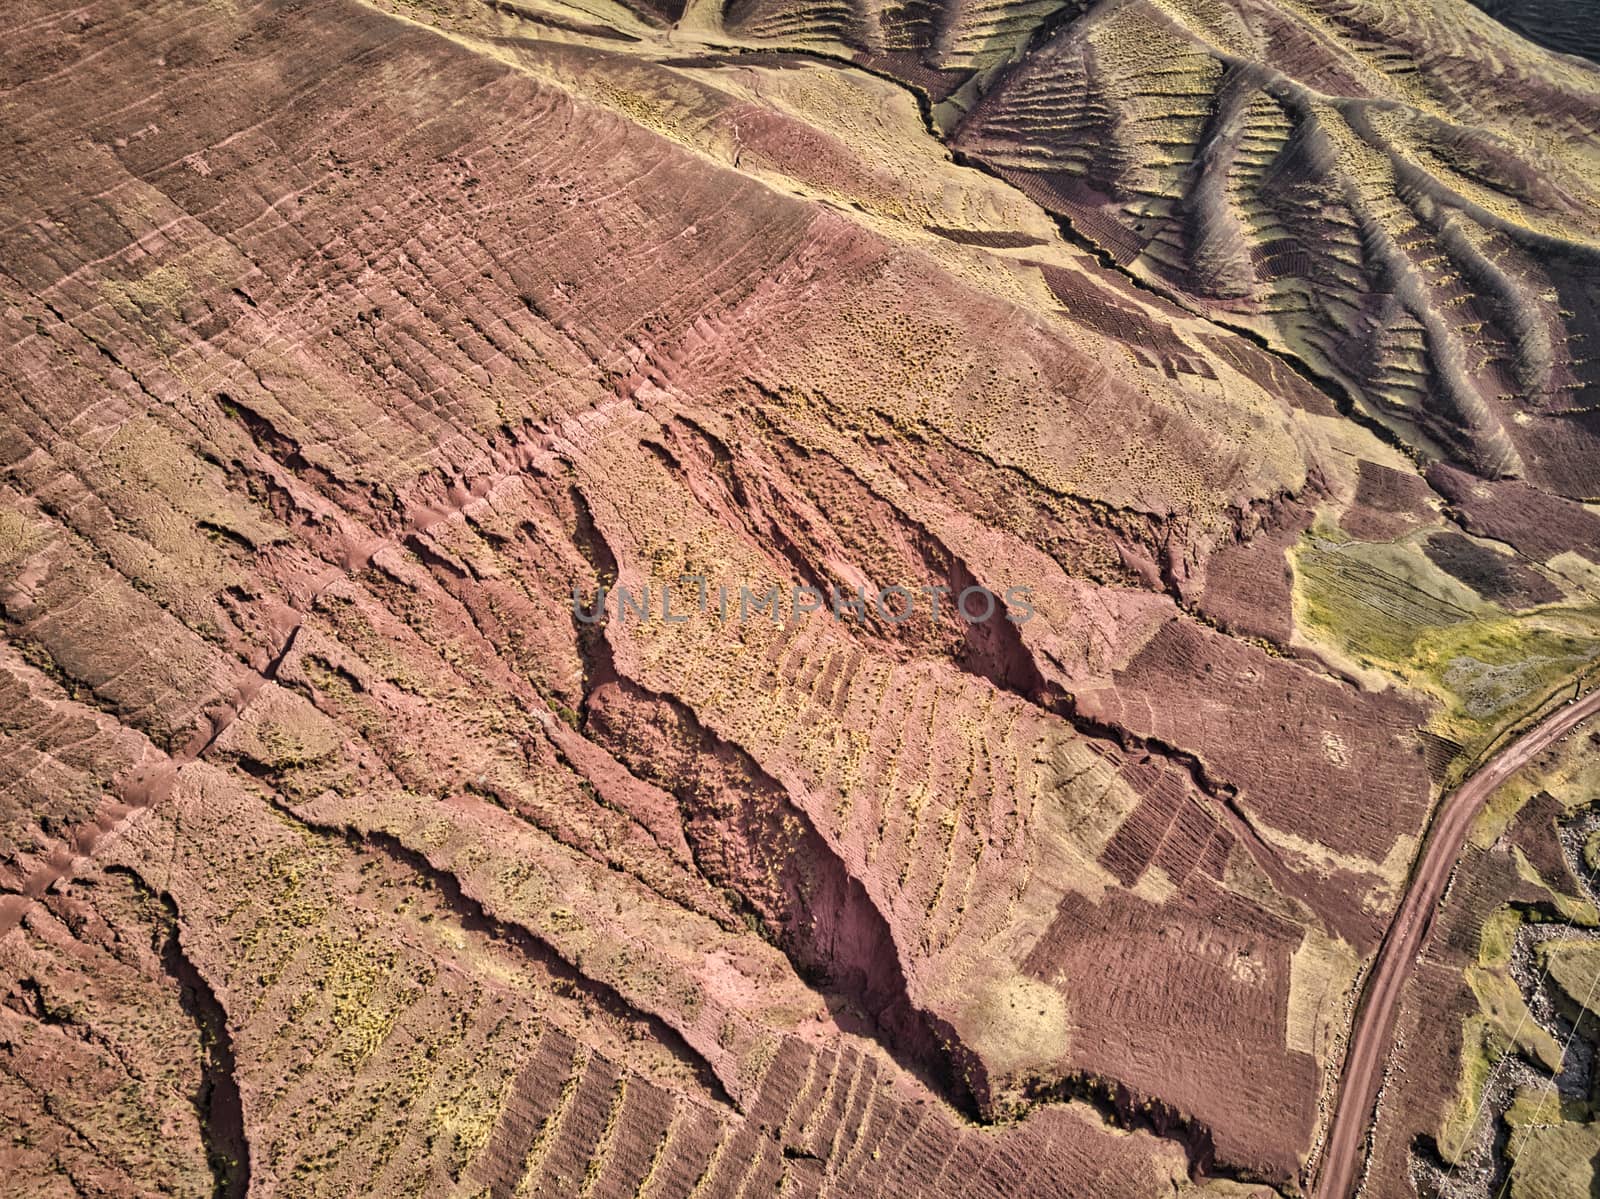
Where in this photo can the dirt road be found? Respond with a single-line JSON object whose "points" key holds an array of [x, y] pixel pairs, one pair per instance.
{"points": [[1374, 1026]]}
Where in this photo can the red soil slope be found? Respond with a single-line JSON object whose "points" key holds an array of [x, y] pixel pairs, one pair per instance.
{"points": [[346, 343]]}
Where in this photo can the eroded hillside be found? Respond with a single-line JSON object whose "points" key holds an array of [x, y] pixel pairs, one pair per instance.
{"points": [[349, 346]]}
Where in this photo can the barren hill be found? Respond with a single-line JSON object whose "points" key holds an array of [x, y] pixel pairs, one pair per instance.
{"points": [[491, 503]]}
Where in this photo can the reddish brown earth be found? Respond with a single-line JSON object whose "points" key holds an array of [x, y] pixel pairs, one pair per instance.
{"points": [[344, 343]]}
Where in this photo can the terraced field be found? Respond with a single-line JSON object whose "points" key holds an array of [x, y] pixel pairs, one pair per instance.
{"points": [[422, 421]]}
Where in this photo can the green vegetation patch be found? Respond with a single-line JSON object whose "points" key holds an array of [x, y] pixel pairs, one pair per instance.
{"points": [[1501, 1002], [1552, 1148], [1501, 1025], [1482, 1047], [1575, 968], [1385, 608]]}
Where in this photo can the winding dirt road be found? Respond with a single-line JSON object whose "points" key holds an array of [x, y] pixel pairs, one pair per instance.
{"points": [[1374, 1025]]}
